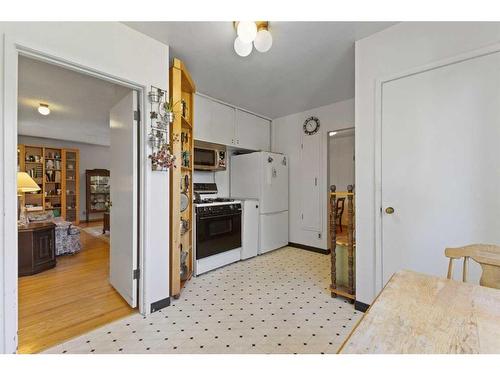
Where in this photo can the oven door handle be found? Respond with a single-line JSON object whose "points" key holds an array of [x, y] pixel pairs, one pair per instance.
{"points": [[218, 216]]}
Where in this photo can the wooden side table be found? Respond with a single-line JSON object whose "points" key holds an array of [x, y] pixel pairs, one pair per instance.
{"points": [[105, 227], [36, 248]]}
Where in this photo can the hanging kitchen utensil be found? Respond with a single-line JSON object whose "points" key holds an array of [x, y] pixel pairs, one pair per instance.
{"points": [[184, 202]]}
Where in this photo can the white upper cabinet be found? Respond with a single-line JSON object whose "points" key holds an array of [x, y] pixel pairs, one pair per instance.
{"points": [[252, 132], [220, 123], [202, 118]]}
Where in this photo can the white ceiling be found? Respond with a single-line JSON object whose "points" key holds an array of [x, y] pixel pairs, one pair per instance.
{"points": [[79, 103], [309, 65]]}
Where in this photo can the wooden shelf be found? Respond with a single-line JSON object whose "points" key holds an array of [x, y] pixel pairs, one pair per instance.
{"points": [[343, 292], [59, 155], [181, 89], [188, 278], [96, 178], [186, 123]]}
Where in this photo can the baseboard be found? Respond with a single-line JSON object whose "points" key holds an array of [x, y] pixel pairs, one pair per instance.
{"points": [[158, 305], [310, 248], [360, 306]]}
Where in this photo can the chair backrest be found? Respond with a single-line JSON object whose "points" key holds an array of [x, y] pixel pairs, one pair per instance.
{"points": [[340, 206], [488, 256]]}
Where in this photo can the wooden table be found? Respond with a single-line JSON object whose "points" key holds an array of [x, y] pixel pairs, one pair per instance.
{"points": [[417, 313]]}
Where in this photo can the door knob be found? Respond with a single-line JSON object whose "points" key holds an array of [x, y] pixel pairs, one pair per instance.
{"points": [[389, 210]]}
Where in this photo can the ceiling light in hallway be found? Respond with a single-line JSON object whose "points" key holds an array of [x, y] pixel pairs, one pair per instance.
{"points": [[43, 109]]}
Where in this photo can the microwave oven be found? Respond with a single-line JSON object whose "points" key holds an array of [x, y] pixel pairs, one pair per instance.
{"points": [[209, 158]]}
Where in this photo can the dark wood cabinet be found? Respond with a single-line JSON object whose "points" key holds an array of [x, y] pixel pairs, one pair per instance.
{"points": [[97, 191], [36, 248], [106, 227]]}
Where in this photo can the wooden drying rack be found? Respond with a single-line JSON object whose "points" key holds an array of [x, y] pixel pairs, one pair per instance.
{"points": [[348, 291]]}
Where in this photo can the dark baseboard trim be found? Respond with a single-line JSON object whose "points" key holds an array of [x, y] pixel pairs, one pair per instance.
{"points": [[158, 305], [360, 306], [310, 248]]}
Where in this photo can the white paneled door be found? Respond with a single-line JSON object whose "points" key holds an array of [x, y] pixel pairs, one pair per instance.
{"points": [[310, 185], [123, 217], [440, 164]]}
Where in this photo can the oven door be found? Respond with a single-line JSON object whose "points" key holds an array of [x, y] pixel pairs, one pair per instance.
{"points": [[205, 159], [217, 234]]}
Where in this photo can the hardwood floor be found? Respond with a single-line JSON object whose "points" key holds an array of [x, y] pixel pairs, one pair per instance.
{"points": [[70, 299]]}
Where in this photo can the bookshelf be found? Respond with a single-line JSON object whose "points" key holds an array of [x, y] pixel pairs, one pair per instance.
{"points": [[48, 167]]}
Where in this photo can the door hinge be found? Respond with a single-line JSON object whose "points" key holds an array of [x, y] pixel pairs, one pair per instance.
{"points": [[302, 146], [137, 274], [137, 115], [302, 215]]}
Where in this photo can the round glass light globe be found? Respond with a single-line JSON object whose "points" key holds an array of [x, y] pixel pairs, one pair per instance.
{"points": [[263, 41], [242, 49], [44, 109], [247, 31]]}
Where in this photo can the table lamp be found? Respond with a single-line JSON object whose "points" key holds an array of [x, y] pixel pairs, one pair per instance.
{"points": [[25, 184]]}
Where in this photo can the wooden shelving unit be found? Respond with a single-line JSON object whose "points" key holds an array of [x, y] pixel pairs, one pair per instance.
{"points": [[182, 88], [97, 191], [48, 167]]}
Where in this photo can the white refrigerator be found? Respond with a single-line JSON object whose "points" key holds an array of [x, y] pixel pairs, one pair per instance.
{"points": [[264, 176]]}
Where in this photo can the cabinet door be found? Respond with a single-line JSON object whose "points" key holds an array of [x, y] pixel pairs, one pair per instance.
{"points": [[43, 247], [252, 132], [202, 116], [310, 192], [222, 124]]}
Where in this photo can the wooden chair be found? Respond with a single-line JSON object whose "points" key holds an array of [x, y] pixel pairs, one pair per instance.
{"points": [[488, 256], [340, 211]]}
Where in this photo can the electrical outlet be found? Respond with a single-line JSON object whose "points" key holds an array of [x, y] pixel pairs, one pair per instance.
{"points": [[319, 235]]}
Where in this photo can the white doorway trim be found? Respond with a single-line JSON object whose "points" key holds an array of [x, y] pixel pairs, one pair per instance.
{"points": [[379, 84], [9, 281]]}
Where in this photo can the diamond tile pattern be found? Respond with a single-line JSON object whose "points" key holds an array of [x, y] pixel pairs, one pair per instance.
{"points": [[274, 303]]}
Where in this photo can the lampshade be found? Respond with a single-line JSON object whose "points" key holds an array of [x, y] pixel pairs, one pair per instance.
{"points": [[25, 184]]}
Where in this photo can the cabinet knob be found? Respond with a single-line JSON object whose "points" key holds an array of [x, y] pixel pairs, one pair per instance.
{"points": [[389, 210]]}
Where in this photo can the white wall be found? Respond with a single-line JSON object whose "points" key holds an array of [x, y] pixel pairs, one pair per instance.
{"points": [[113, 49], [286, 138], [91, 157], [396, 50]]}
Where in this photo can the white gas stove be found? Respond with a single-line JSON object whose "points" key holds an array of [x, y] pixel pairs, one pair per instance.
{"points": [[217, 231]]}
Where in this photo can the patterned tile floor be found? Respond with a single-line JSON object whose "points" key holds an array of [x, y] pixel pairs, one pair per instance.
{"points": [[275, 303]]}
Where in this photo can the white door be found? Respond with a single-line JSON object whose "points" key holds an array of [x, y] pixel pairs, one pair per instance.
{"points": [[252, 132], [274, 193], [440, 164], [123, 217], [309, 185]]}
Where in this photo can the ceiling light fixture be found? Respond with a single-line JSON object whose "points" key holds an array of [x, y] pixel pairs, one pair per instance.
{"points": [[43, 109], [248, 32]]}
